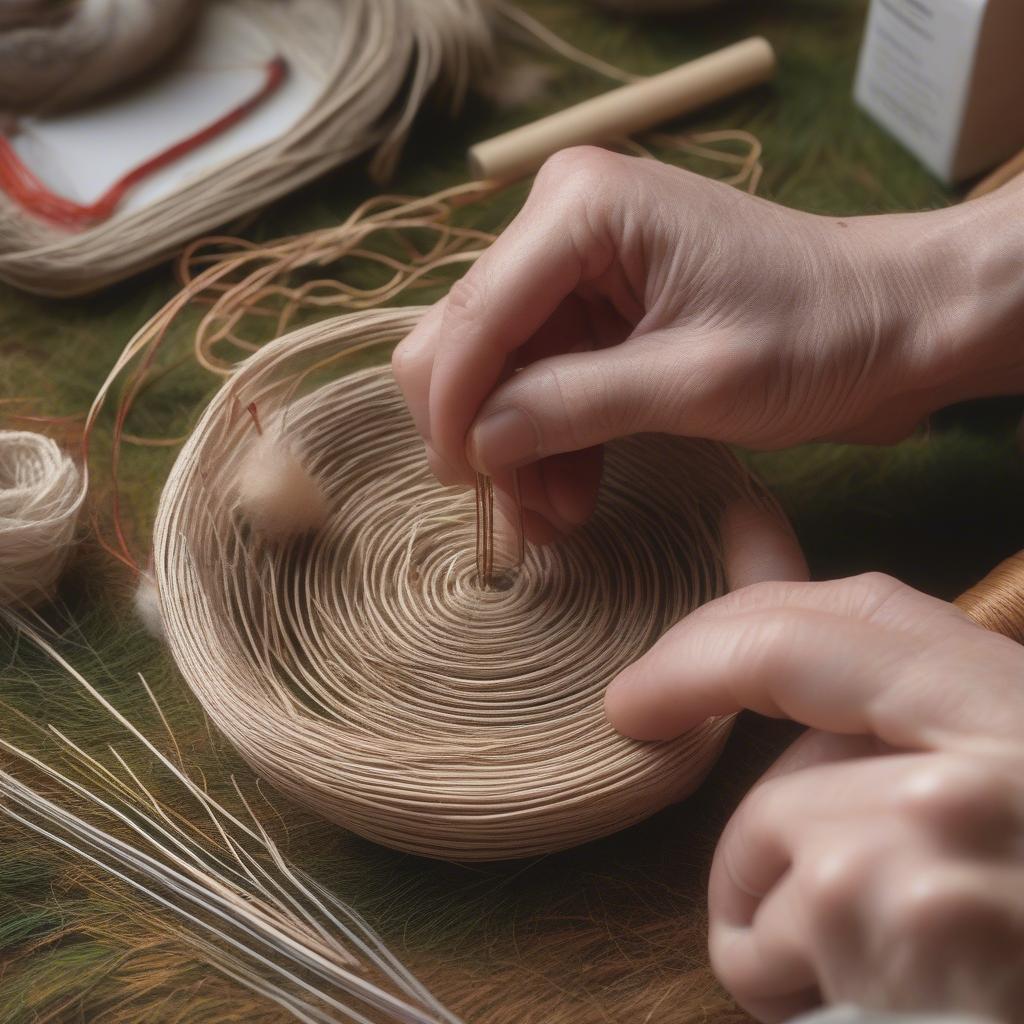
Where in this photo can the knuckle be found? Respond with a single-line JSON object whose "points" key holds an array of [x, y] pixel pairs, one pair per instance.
{"points": [[877, 584], [833, 883], [883, 600], [579, 170], [945, 913], [767, 594], [956, 795], [771, 644], [876, 590], [935, 903], [466, 301]]}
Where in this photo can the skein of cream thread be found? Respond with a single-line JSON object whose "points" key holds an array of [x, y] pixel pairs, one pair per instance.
{"points": [[41, 493], [626, 111]]}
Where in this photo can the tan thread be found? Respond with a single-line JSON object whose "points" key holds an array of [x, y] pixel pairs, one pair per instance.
{"points": [[363, 669]]}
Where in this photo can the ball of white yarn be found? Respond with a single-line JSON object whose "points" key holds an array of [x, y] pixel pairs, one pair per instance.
{"points": [[40, 496], [277, 495]]}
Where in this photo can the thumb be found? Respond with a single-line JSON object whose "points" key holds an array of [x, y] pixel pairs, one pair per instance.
{"points": [[580, 400]]}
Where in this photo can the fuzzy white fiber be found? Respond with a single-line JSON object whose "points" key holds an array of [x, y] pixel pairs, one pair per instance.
{"points": [[277, 495], [147, 606]]}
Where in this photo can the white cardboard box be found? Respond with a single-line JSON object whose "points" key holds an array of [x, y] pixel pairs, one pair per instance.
{"points": [[946, 77]]}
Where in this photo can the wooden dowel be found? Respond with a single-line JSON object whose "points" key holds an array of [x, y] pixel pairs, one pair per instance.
{"points": [[999, 177], [626, 111]]}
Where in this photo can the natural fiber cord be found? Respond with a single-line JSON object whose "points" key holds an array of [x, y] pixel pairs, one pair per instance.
{"points": [[364, 670], [59, 54], [375, 61], [40, 496]]}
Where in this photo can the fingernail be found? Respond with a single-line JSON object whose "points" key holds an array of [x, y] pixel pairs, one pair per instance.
{"points": [[503, 440]]}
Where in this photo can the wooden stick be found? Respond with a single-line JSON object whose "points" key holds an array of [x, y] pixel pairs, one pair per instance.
{"points": [[626, 111], [999, 177]]}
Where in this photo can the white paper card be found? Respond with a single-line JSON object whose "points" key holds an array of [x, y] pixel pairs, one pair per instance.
{"points": [[915, 73], [81, 154]]}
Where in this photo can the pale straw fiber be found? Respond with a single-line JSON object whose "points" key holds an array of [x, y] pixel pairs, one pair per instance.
{"points": [[363, 670], [60, 54], [376, 62]]}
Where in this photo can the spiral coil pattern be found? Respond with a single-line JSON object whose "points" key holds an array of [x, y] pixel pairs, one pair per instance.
{"points": [[40, 496], [365, 672]]}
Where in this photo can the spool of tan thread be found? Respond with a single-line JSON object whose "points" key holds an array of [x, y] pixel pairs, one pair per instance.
{"points": [[626, 111], [365, 671], [997, 602]]}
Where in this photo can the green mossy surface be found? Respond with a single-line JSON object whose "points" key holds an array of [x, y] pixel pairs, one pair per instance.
{"points": [[938, 512]]}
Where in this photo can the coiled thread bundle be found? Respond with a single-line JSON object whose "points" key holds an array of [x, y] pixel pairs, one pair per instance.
{"points": [[40, 497], [56, 55], [363, 669], [375, 62]]}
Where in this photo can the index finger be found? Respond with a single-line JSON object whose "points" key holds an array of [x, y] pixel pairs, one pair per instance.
{"points": [[505, 298]]}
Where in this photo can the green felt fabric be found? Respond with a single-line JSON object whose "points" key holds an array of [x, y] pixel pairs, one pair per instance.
{"points": [[937, 511]]}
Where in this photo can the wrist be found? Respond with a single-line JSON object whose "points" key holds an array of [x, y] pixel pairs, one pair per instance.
{"points": [[963, 275]]}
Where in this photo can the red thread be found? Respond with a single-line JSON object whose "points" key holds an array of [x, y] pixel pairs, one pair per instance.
{"points": [[18, 182]]}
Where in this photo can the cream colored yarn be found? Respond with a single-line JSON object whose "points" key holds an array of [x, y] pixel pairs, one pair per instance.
{"points": [[376, 61], [40, 497], [60, 55], [362, 669]]}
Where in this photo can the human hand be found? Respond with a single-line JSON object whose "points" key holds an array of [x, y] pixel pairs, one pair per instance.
{"points": [[631, 296], [881, 860]]}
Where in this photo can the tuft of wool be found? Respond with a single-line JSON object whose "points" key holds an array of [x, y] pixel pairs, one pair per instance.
{"points": [[147, 606], [277, 495]]}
